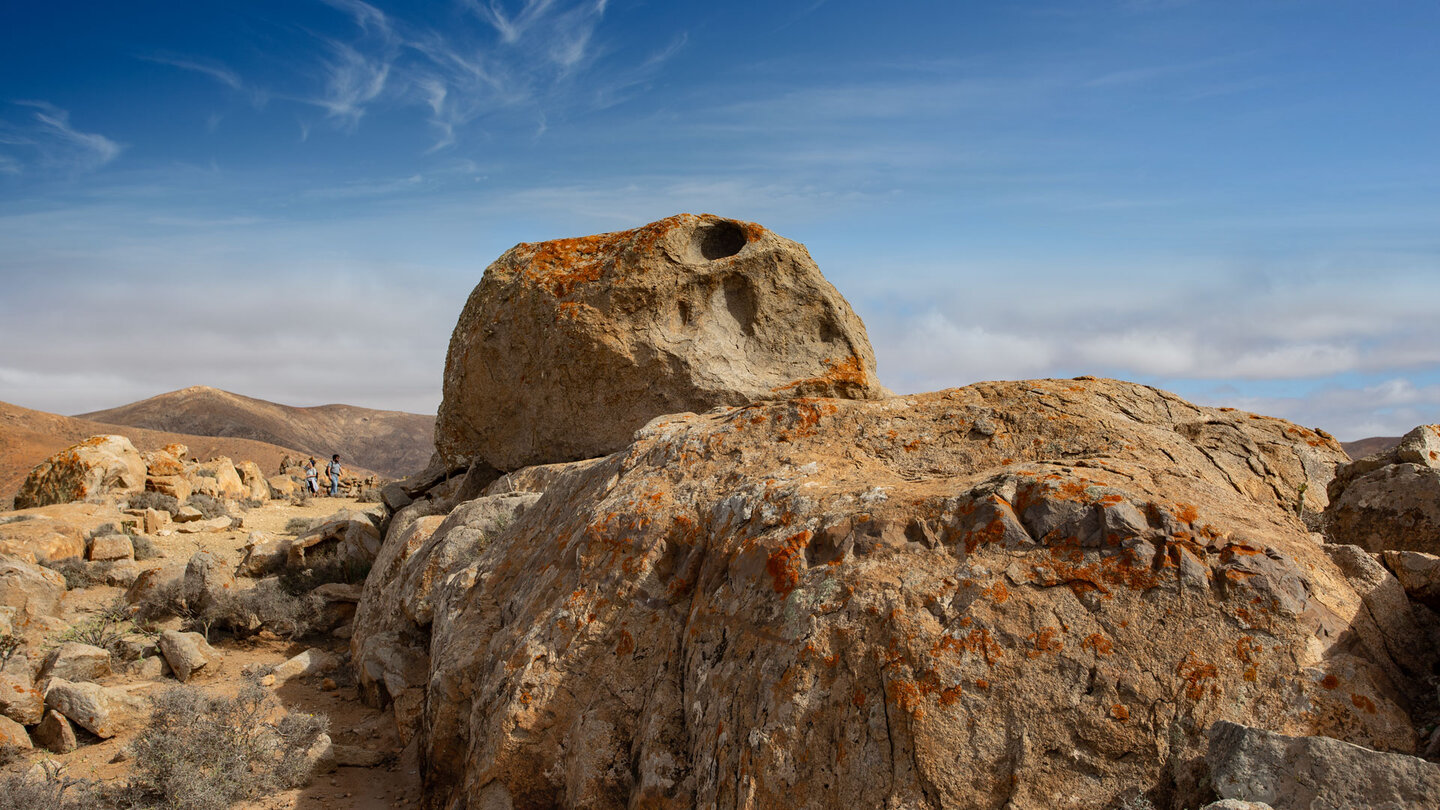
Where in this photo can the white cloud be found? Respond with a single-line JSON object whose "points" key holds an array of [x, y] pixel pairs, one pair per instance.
{"points": [[55, 143]]}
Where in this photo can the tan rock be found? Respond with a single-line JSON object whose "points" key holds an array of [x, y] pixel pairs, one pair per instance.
{"points": [[33, 591], [1391, 500], [535, 479], [311, 662], [264, 555], [155, 520], [97, 466], [111, 547], [188, 653], [189, 514], [163, 463], [101, 711], [916, 587], [55, 734], [41, 539], [566, 348], [175, 486], [12, 735], [254, 480], [349, 533], [20, 700], [216, 524], [208, 580], [227, 480], [75, 661], [145, 584], [283, 486]]}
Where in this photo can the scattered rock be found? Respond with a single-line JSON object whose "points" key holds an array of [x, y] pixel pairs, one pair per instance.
{"points": [[56, 734], [264, 555], [97, 466], [188, 653], [12, 735], [567, 347], [19, 700], [217, 524], [101, 711], [254, 480], [207, 580], [1391, 500], [111, 547], [41, 540], [33, 591], [117, 573], [145, 584], [176, 486], [283, 486], [74, 661], [189, 514], [155, 520], [349, 534], [1308, 772], [1418, 573], [311, 662]]}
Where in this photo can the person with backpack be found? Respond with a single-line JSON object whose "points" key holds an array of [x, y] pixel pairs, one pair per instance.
{"points": [[333, 470]]}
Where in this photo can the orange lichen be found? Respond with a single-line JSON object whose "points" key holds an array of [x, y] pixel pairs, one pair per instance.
{"points": [[1247, 650], [1195, 672], [1045, 641], [1120, 712], [858, 698], [1363, 703], [840, 375], [997, 593], [1330, 682], [977, 642], [1186, 512], [1098, 643], [626, 645], [783, 564]]}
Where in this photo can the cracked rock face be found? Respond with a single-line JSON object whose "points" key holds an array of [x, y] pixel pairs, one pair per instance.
{"points": [[1391, 500], [96, 466], [565, 348], [826, 602]]}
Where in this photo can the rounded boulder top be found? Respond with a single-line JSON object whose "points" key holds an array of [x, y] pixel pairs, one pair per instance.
{"points": [[567, 347]]}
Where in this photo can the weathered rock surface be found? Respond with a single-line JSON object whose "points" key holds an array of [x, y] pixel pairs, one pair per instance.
{"points": [[19, 700], [101, 711], [1419, 575], [218, 478], [33, 591], [1307, 773], [822, 602], [56, 734], [348, 534], [1391, 500], [207, 581], [188, 653], [176, 486], [263, 555], [255, 482], [74, 661], [389, 640], [12, 735], [565, 348], [108, 547], [41, 539], [311, 662], [96, 466]]}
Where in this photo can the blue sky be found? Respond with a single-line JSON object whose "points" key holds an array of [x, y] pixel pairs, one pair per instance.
{"points": [[1237, 201]]}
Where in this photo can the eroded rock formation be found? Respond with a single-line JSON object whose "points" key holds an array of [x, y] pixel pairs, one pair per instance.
{"points": [[96, 466], [565, 348], [1391, 500]]}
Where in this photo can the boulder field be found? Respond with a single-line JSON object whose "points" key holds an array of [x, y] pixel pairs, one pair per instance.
{"points": [[1018, 594]]}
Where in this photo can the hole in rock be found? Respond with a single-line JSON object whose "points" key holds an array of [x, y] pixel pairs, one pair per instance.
{"points": [[717, 240]]}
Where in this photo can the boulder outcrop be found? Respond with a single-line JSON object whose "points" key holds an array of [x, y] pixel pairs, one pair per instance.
{"points": [[31, 590], [1300, 773], [1391, 500], [825, 602], [96, 466], [565, 348]]}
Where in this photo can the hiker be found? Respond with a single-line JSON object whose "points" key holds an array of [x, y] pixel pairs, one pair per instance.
{"points": [[312, 478], [333, 470]]}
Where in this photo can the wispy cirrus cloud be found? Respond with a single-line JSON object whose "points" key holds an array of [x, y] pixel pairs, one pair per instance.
{"points": [[51, 142], [215, 70]]}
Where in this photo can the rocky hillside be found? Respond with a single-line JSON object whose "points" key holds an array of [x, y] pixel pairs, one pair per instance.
{"points": [[1360, 448], [392, 443], [29, 437]]}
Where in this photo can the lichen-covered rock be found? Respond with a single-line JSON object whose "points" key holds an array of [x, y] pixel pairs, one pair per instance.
{"points": [[208, 580], [823, 602], [102, 711], [97, 466], [20, 700], [75, 661], [169, 460], [176, 486], [565, 348], [1301, 773], [13, 736], [1391, 500], [31, 590]]}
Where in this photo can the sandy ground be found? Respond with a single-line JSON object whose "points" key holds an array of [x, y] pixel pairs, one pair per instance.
{"points": [[393, 784]]}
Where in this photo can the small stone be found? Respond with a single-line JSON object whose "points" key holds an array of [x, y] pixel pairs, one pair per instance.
{"points": [[328, 685], [111, 547], [56, 734]]}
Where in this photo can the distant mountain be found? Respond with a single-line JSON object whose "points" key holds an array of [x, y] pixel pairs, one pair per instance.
{"points": [[29, 437], [1361, 448], [393, 443]]}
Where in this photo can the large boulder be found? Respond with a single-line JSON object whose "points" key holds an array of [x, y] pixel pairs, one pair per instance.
{"points": [[219, 479], [565, 348], [188, 653], [208, 581], [1391, 500], [819, 603], [349, 535], [41, 539], [256, 483], [31, 590], [1301, 773], [169, 460], [102, 711], [97, 466], [75, 661], [20, 700]]}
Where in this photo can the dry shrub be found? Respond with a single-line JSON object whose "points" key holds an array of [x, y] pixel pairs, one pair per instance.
{"points": [[77, 573], [299, 525], [51, 788], [206, 752], [145, 548], [368, 495], [208, 506], [153, 500]]}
